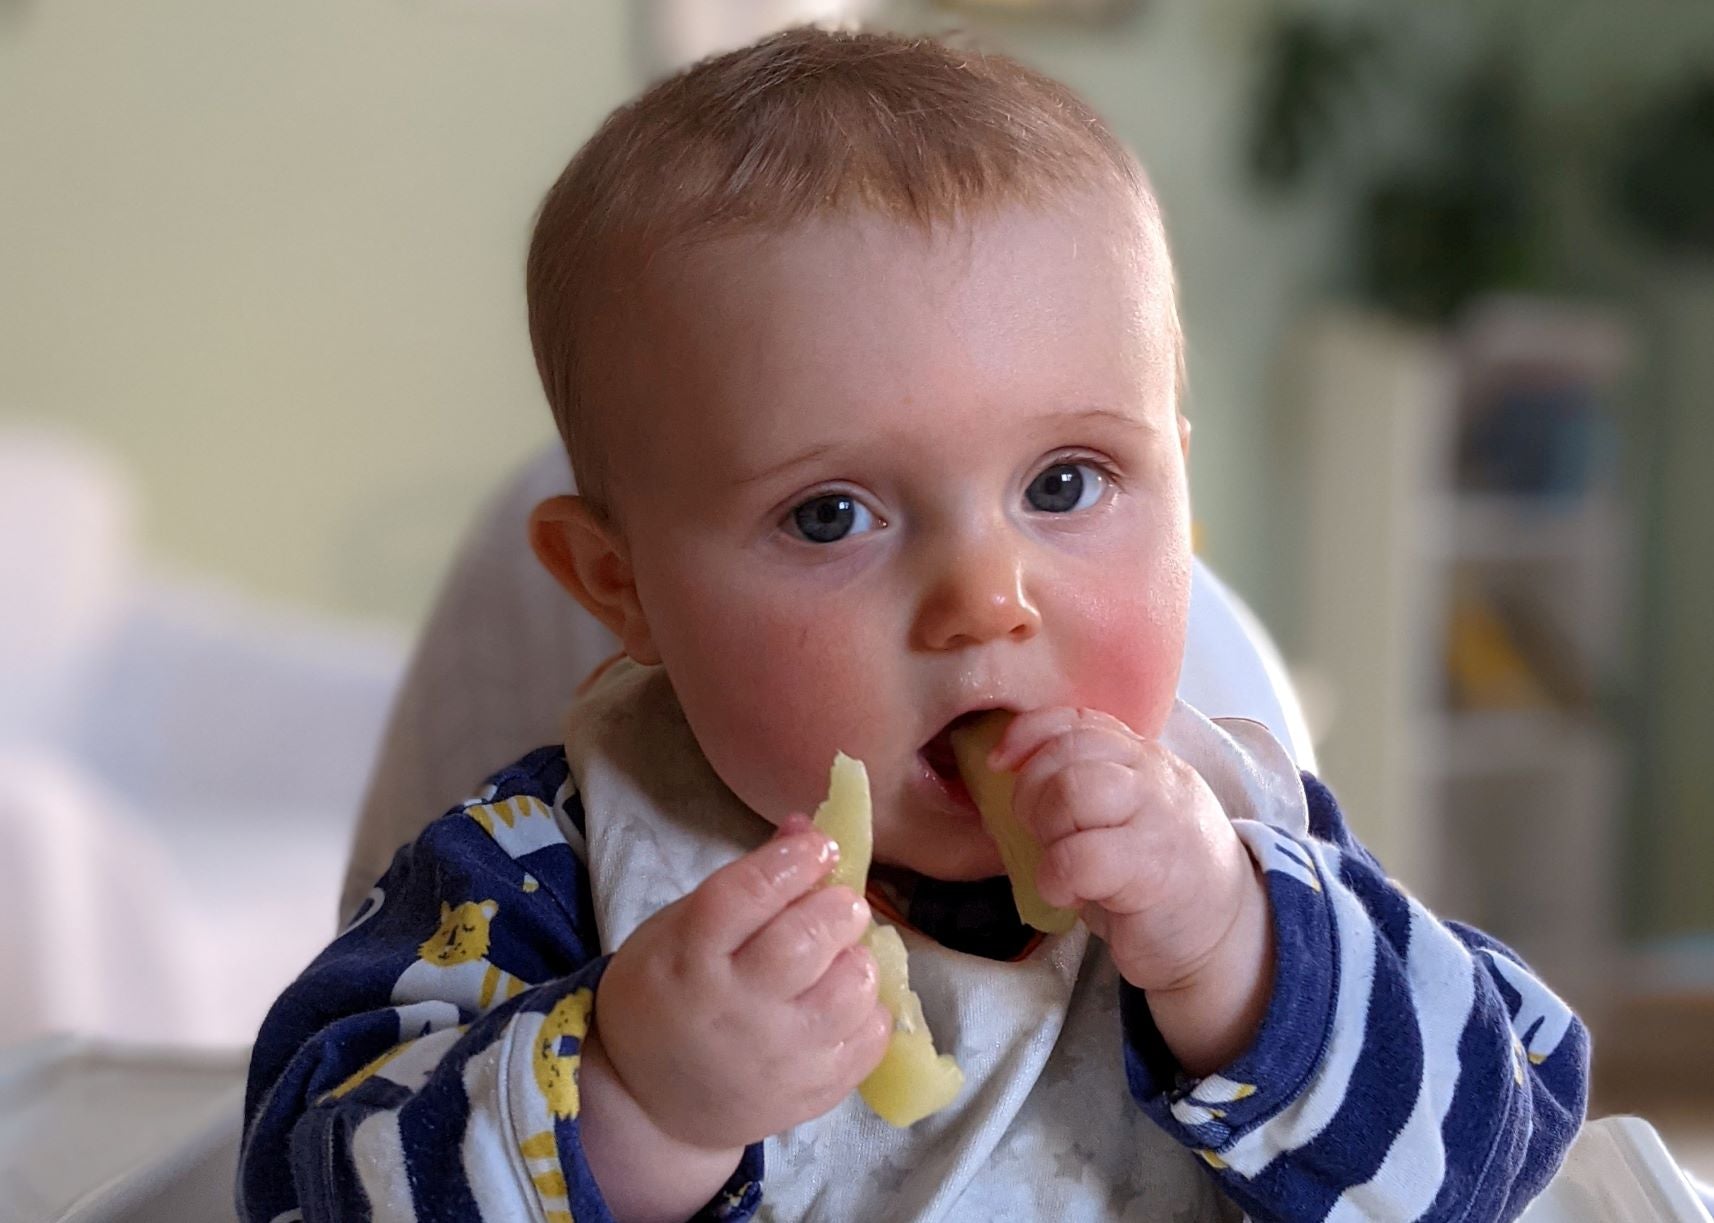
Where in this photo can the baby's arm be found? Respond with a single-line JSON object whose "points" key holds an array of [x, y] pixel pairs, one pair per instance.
{"points": [[1407, 1068], [429, 1062]]}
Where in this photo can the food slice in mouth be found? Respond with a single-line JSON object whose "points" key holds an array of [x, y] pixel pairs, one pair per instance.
{"points": [[1019, 850], [913, 1079], [938, 753]]}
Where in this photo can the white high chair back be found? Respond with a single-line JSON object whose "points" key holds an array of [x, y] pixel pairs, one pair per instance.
{"points": [[505, 647]]}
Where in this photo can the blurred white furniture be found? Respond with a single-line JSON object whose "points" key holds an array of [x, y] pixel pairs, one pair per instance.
{"points": [[1503, 809], [179, 768], [90, 1130], [97, 926]]}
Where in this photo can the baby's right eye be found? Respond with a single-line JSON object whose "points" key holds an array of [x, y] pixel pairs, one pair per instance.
{"points": [[829, 518]]}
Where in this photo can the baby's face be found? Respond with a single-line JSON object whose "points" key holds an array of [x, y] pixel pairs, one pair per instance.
{"points": [[875, 480]]}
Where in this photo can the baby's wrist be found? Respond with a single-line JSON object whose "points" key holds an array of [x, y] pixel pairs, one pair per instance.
{"points": [[1215, 1015], [628, 1149], [662, 1128]]}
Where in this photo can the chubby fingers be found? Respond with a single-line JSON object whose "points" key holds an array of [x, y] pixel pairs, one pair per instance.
{"points": [[1099, 867], [841, 1016], [1129, 836], [843, 1003], [794, 950], [742, 897], [1030, 732], [1089, 776]]}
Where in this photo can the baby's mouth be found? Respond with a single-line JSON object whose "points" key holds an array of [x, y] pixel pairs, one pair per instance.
{"points": [[937, 753]]}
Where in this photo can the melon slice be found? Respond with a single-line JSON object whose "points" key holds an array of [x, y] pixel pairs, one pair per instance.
{"points": [[913, 1079], [845, 815], [1019, 849]]}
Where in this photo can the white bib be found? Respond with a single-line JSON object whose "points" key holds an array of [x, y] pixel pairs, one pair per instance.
{"points": [[1045, 1128]]}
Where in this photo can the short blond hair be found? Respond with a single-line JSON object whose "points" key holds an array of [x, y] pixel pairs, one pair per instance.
{"points": [[803, 123]]}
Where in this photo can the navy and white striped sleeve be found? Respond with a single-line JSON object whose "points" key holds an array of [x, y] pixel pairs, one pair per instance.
{"points": [[425, 1066], [1407, 1067]]}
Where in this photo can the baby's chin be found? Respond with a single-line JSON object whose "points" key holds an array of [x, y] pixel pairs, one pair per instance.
{"points": [[954, 860]]}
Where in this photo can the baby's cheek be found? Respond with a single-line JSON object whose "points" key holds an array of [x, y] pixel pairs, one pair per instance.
{"points": [[787, 695], [1127, 661]]}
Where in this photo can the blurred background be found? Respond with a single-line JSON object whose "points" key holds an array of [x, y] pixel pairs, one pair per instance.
{"points": [[1448, 278]]}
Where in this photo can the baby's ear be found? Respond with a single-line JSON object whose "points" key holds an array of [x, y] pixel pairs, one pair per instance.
{"points": [[589, 558]]}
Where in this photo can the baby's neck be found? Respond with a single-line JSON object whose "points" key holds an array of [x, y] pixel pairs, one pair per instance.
{"points": [[977, 917]]}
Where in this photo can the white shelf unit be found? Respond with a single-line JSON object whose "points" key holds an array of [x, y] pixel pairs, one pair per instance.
{"points": [[1504, 814]]}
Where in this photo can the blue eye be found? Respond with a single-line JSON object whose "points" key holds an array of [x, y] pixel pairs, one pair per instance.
{"points": [[830, 518], [1065, 487]]}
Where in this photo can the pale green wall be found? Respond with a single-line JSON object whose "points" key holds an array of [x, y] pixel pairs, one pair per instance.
{"points": [[272, 255], [1672, 881]]}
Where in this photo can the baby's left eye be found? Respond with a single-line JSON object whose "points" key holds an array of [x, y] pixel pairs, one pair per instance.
{"points": [[1066, 487]]}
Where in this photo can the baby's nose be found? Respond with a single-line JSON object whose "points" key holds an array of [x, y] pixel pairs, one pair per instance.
{"points": [[977, 599]]}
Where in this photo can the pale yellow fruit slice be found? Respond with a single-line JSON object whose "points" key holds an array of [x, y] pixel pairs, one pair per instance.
{"points": [[913, 1080], [845, 815], [1019, 850]]}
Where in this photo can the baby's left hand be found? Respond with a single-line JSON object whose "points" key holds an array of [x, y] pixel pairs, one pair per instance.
{"points": [[1133, 837]]}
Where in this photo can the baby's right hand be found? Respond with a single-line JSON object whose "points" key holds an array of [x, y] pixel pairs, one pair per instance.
{"points": [[748, 1006]]}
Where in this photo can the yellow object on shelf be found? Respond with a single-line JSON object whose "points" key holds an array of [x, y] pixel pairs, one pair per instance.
{"points": [[1487, 669]]}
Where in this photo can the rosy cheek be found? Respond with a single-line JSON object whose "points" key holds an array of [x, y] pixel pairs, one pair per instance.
{"points": [[772, 696], [1127, 659], [1138, 687]]}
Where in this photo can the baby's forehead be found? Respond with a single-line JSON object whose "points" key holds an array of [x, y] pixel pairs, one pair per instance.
{"points": [[832, 279], [1111, 224], [857, 323], [846, 320]]}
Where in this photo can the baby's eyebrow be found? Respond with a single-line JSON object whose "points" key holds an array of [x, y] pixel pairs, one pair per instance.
{"points": [[1109, 415], [798, 460]]}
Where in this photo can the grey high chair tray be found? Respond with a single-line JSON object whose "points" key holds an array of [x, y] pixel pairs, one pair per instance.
{"points": [[92, 1132]]}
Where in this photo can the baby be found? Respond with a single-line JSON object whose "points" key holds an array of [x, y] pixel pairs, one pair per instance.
{"points": [[866, 353]]}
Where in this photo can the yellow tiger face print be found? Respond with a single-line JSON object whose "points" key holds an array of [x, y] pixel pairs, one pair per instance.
{"points": [[556, 1069], [462, 935]]}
